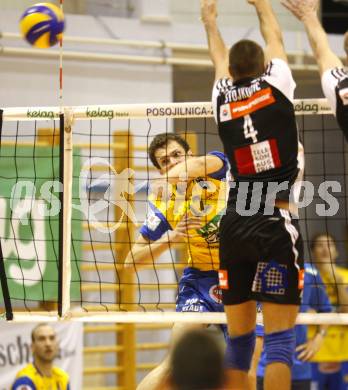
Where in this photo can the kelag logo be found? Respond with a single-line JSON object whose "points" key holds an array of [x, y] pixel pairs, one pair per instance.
{"points": [[99, 113], [40, 114], [313, 108]]}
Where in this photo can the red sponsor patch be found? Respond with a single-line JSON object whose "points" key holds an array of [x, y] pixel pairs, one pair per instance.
{"points": [[223, 279], [301, 274], [259, 100], [258, 157]]}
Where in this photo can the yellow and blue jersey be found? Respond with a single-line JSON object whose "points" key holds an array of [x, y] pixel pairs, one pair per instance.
{"points": [[205, 197], [335, 345], [30, 378]]}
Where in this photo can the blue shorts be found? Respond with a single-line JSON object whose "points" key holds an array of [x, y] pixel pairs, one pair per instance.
{"points": [[330, 381], [199, 292]]}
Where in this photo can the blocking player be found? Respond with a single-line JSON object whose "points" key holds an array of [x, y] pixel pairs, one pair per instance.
{"points": [[41, 374], [181, 218], [334, 78], [260, 255]]}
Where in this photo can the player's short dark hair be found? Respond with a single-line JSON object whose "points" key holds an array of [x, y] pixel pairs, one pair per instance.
{"points": [[315, 238], [197, 362], [246, 59], [346, 42], [36, 328], [161, 140]]}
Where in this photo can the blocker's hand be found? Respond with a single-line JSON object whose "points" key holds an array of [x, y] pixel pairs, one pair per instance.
{"points": [[301, 8], [208, 11]]}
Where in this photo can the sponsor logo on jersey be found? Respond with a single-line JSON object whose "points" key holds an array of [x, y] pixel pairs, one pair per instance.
{"points": [[215, 293], [259, 157], [301, 275], [210, 232], [225, 113], [152, 220], [259, 100], [223, 279]]}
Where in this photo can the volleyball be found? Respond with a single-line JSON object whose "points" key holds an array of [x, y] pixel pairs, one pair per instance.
{"points": [[42, 25]]}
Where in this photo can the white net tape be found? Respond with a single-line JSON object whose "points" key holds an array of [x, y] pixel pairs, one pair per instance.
{"points": [[145, 111]]}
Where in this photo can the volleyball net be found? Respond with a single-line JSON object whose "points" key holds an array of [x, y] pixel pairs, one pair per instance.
{"points": [[74, 195]]}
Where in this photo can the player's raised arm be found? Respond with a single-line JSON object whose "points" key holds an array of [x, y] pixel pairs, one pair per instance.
{"points": [[307, 12], [217, 48], [153, 241], [197, 167], [270, 30]]}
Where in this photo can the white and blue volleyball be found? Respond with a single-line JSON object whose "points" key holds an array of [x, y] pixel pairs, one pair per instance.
{"points": [[42, 25]]}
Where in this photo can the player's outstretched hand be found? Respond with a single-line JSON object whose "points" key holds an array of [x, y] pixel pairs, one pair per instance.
{"points": [[208, 11], [301, 8]]}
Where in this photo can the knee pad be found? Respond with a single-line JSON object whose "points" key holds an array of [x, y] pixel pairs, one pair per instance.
{"points": [[239, 351], [280, 347]]}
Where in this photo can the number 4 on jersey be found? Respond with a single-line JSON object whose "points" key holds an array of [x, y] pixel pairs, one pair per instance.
{"points": [[249, 130]]}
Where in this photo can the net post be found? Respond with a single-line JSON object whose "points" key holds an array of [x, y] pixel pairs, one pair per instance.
{"points": [[123, 157], [65, 168]]}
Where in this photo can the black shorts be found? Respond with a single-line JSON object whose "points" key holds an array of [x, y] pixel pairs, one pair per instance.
{"points": [[304, 384], [261, 258]]}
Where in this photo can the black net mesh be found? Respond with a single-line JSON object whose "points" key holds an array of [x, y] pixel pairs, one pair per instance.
{"points": [[111, 177]]}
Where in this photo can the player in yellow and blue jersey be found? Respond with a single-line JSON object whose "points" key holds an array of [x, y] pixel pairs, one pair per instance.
{"points": [[41, 374], [330, 370], [190, 212]]}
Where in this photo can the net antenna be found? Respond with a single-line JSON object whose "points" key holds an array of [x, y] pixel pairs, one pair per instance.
{"points": [[65, 173]]}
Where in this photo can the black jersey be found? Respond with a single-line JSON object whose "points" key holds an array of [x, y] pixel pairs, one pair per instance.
{"points": [[335, 87], [257, 126]]}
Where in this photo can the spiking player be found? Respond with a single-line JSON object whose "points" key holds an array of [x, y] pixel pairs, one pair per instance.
{"points": [[192, 215], [260, 255], [334, 78]]}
